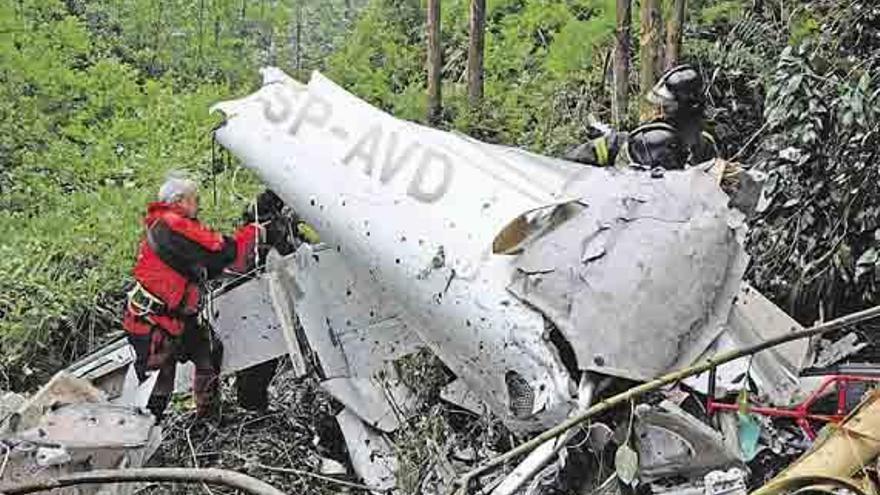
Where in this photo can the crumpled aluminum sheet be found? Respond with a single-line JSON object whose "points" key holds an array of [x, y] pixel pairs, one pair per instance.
{"points": [[640, 281]]}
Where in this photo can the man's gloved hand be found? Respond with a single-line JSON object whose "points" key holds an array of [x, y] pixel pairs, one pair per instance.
{"points": [[141, 345]]}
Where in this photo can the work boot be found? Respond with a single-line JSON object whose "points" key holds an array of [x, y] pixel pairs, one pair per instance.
{"points": [[206, 392]]}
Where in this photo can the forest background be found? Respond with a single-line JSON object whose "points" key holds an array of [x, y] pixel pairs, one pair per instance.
{"points": [[100, 99]]}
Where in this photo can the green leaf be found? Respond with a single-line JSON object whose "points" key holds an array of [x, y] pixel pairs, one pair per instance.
{"points": [[626, 465]]}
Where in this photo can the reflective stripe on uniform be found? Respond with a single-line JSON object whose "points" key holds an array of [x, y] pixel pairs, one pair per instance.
{"points": [[601, 146]]}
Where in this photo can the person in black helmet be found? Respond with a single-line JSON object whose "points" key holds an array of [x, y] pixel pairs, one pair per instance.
{"points": [[679, 96]]}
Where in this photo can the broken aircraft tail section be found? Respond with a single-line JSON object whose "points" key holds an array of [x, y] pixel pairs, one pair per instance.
{"points": [[483, 251]]}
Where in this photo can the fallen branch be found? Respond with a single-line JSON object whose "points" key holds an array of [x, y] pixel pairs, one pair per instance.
{"points": [[321, 477], [230, 479], [667, 379]]}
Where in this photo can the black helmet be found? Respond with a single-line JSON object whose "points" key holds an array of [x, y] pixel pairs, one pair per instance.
{"points": [[656, 145], [679, 88]]}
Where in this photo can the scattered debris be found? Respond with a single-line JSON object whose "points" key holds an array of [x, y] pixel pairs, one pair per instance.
{"points": [[414, 377], [842, 453], [67, 427], [834, 352], [674, 443]]}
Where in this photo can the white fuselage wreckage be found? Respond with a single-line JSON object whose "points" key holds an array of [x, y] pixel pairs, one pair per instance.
{"points": [[519, 271]]}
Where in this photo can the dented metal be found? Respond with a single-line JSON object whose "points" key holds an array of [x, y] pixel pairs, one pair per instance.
{"points": [[454, 235], [674, 443]]}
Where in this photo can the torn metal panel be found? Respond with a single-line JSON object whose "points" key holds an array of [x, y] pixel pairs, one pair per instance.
{"points": [[351, 323], [281, 290], [66, 427], [106, 367], [245, 320], [671, 442], [92, 426], [379, 404], [605, 276], [113, 355], [134, 392], [753, 319], [457, 392], [372, 456], [834, 352], [62, 389], [755, 314]]}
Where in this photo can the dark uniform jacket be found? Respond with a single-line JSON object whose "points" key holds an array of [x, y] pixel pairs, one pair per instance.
{"points": [[605, 150]]}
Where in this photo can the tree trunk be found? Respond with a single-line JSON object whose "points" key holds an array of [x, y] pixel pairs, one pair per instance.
{"points": [[475, 52], [299, 24], [621, 63], [673, 34], [649, 51], [434, 97]]}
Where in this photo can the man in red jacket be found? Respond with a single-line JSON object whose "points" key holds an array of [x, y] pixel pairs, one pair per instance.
{"points": [[177, 256]]}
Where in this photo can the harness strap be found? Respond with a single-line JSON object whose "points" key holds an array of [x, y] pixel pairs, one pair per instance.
{"points": [[143, 303]]}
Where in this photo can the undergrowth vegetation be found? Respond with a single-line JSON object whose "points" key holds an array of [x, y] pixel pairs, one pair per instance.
{"points": [[100, 99]]}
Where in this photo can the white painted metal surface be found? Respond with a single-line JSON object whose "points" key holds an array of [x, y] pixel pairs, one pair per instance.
{"points": [[419, 208], [754, 318], [245, 320], [415, 212]]}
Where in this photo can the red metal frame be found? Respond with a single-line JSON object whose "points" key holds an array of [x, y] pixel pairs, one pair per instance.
{"points": [[800, 413]]}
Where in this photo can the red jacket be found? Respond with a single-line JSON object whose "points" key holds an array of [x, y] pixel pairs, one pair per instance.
{"points": [[176, 256]]}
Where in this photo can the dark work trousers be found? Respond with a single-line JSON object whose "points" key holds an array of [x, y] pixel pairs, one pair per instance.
{"points": [[197, 344]]}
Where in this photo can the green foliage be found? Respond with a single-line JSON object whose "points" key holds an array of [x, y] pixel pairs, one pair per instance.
{"points": [[98, 101], [726, 11], [539, 58], [382, 60], [803, 26], [817, 242]]}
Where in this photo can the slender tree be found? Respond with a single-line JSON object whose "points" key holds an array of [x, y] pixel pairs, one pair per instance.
{"points": [[673, 33], [650, 49], [621, 62], [475, 52], [299, 24], [434, 97]]}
